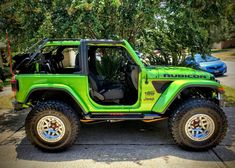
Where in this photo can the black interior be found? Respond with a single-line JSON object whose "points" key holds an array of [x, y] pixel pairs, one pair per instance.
{"points": [[118, 91], [49, 60], [103, 90]]}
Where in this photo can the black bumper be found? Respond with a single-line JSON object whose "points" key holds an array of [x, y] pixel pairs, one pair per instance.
{"points": [[17, 105]]}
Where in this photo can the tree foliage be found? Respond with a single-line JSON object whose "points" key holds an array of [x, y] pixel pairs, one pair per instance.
{"points": [[189, 27], [115, 19], [173, 27]]}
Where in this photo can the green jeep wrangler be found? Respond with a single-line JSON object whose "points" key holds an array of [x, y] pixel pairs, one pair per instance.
{"points": [[64, 82]]}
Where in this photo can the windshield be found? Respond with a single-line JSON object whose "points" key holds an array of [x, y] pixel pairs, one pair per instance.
{"points": [[208, 58], [142, 58], [34, 47]]}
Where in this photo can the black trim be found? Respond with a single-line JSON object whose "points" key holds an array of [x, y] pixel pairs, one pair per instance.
{"points": [[63, 39], [84, 57], [83, 51], [189, 86], [124, 116], [95, 41], [54, 89], [17, 105], [103, 41], [161, 86]]}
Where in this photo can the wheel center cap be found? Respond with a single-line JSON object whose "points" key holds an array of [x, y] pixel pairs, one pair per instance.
{"points": [[54, 126], [195, 123]]}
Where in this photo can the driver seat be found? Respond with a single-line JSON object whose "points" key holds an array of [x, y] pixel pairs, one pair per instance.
{"points": [[105, 93]]}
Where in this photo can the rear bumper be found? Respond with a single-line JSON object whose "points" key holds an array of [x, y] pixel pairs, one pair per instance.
{"points": [[17, 105]]}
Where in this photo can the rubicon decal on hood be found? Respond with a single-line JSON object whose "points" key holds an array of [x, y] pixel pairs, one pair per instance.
{"points": [[183, 76]]}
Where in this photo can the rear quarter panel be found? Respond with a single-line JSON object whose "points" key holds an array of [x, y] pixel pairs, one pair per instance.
{"points": [[74, 84]]}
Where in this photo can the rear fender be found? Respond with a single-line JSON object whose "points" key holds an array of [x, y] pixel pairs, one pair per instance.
{"points": [[57, 87]]}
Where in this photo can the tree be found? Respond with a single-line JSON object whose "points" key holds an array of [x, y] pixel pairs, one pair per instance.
{"points": [[173, 27], [189, 27], [116, 19]]}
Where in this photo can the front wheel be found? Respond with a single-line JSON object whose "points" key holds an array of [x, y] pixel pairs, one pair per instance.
{"points": [[198, 124], [52, 126]]}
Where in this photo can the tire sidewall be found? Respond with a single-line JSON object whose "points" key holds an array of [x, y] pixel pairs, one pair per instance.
{"points": [[60, 110], [200, 144]]}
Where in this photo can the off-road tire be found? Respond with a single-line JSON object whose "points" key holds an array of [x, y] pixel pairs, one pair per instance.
{"points": [[60, 110], [192, 107]]}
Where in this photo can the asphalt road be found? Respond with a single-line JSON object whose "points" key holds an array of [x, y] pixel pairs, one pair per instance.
{"points": [[228, 78], [122, 144]]}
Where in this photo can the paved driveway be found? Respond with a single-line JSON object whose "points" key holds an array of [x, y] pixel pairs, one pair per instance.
{"points": [[122, 144], [229, 78]]}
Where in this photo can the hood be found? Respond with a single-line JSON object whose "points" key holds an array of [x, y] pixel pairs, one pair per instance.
{"points": [[211, 63], [164, 72]]}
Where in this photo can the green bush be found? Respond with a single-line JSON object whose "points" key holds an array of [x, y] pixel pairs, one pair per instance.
{"points": [[108, 67]]}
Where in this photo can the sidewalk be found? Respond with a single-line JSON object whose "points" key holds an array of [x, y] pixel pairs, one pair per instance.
{"points": [[6, 91]]}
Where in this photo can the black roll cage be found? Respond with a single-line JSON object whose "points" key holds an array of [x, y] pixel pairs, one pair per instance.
{"points": [[83, 56]]}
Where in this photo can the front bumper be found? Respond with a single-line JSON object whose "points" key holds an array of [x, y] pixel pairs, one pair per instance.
{"points": [[220, 100], [218, 71]]}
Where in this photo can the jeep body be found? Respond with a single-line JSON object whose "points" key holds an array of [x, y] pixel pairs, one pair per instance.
{"points": [[159, 89]]}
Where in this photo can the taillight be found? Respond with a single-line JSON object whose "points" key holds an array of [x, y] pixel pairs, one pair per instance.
{"points": [[14, 85]]}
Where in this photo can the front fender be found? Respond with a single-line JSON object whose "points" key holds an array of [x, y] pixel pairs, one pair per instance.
{"points": [[177, 87]]}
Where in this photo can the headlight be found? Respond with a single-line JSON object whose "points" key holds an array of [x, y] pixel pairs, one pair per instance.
{"points": [[224, 65]]}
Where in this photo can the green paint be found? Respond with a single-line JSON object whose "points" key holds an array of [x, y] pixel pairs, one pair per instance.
{"points": [[37, 67], [149, 100]]}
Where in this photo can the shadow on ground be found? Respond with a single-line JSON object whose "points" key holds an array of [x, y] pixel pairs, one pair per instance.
{"points": [[221, 76], [123, 141], [12, 121]]}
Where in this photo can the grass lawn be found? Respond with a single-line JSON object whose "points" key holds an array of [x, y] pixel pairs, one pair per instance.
{"points": [[225, 54], [221, 50], [229, 96], [5, 101]]}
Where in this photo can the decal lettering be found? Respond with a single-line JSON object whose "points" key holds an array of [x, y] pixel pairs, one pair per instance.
{"points": [[149, 93], [148, 99], [183, 76], [149, 96]]}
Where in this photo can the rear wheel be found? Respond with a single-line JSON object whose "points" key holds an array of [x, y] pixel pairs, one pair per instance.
{"points": [[198, 124], [52, 126]]}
